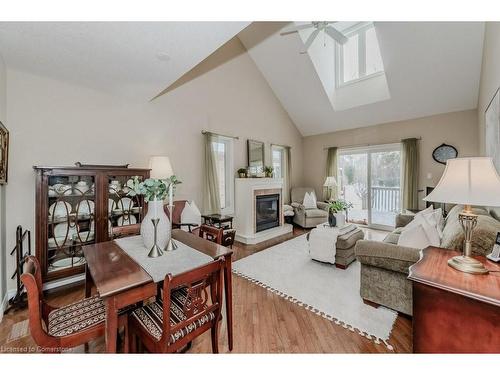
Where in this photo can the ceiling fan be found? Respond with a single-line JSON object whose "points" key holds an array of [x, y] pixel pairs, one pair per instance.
{"points": [[319, 26]]}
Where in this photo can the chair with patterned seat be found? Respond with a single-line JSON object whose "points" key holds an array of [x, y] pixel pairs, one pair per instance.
{"points": [[55, 329], [185, 312]]}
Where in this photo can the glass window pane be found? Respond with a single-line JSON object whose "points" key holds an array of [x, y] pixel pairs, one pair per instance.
{"points": [[353, 181], [278, 162], [350, 59], [373, 58]]}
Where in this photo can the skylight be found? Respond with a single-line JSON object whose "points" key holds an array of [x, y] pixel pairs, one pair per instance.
{"points": [[360, 57]]}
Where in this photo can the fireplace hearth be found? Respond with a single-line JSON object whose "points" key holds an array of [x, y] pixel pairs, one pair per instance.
{"points": [[267, 212]]}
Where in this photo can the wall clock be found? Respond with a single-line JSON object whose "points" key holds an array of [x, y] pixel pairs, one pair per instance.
{"points": [[444, 152]]}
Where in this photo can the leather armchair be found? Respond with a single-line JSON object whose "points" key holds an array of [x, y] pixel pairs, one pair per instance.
{"points": [[307, 217]]}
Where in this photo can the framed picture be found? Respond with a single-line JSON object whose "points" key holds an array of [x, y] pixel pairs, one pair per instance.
{"points": [[492, 129], [4, 153]]}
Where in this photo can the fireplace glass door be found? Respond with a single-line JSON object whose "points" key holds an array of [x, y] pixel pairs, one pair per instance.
{"points": [[267, 213]]}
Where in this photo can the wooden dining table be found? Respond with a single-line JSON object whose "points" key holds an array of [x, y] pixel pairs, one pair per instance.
{"points": [[121, 282]]}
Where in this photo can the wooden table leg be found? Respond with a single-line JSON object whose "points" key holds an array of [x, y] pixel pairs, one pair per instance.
{"points": [[111, 325], [88, 282], [228, 288]]}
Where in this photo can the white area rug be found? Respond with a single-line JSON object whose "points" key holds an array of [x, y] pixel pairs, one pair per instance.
{"points": [[287, 270]]}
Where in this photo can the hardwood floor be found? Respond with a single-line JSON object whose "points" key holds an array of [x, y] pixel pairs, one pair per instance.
{"points": [[263, 321]]}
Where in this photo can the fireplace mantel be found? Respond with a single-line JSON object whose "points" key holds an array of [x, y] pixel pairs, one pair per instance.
{"points": [[246, 190]]}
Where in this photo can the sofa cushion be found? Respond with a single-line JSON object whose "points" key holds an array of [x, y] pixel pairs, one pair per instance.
{"points": [[392, 238], [386, 255], [483, 236], [316, 212]]}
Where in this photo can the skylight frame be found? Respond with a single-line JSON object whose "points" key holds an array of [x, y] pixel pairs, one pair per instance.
{"points": [[360, 30]]}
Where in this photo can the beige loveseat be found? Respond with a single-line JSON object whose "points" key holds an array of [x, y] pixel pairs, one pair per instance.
{"points": [[384, 265], [307, 217]]}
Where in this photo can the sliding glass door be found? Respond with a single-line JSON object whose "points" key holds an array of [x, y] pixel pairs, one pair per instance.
{"points": [[369, 178]]}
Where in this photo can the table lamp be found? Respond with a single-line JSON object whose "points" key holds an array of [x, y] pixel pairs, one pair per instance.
{"points": [[161, 169], [468, 181], [330, 183]]}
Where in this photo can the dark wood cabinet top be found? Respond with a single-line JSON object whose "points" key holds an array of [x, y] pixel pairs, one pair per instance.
{"points": [[432, 269]]}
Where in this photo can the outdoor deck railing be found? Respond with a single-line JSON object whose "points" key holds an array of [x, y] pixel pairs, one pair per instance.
{"points": [[386, 198]]}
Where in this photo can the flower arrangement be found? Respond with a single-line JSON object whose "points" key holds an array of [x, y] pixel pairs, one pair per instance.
{"points": [[153, 189]]}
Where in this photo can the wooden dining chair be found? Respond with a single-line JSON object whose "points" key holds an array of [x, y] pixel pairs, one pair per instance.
{"points": [[55, 329], [185, 312], [211, 233], [177, 215]]}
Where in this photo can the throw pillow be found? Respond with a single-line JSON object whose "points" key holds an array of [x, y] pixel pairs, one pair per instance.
{"points": [[190, 215], [309, 200], [414, 237]]}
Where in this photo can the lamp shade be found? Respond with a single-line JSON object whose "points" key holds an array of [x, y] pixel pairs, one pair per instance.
{"points": [[468, 181], [330, 182], [160, 167]]}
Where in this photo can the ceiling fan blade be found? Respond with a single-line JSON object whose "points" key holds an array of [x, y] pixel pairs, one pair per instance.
{"points": [[310, 40], [336, 35], [294, 29]]}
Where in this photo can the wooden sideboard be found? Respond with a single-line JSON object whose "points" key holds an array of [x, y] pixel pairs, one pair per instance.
{"points": [[453, 311], [80, 205]]}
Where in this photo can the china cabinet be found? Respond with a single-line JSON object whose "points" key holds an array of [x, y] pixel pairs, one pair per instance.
{"points": [[80, 205]]}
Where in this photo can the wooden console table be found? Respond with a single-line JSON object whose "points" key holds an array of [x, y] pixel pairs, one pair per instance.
{"points": [[453, 311]]}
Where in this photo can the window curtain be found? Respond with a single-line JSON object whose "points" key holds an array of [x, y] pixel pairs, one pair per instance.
{"points": [[331, 171], [409, 163], [287, 172], [211, 197]]}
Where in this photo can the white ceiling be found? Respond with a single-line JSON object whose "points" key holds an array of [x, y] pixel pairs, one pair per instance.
{"points": [[431, 67], [119, 57]]}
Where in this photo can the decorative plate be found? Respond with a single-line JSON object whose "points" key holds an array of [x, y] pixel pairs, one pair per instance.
{"points": [[68, 262], [444, 152], [85, 207], [60, 209], [125, 204], [111, 205], [60, 230]]}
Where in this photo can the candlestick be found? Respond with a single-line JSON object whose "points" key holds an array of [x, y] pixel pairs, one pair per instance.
{"points": [[171, 245], [155, 251], [171, 194]]}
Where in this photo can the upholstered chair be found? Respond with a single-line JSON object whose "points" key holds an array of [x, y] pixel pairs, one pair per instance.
{"points": [[307, 217], [55, 329], [185, 311]]}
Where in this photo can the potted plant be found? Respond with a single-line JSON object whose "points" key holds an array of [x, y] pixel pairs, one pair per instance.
{"points": [[269, 171], [336, 209], [242, 172]]}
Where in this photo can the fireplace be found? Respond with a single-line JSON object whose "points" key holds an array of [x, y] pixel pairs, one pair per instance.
{"points": [[267, 211]]}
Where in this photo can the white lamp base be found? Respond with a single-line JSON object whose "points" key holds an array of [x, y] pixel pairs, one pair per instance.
{"points": [[467, 264]]}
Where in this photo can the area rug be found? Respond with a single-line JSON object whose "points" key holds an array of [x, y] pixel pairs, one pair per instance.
{"points": [[330, 292]]}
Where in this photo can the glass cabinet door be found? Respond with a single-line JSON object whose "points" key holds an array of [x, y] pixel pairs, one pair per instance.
{"points": [[123, 209], [70, 221]]}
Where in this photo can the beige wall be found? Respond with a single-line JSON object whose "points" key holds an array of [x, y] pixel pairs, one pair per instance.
{"points": [[53, 122], [490, 75], [457, 128]]}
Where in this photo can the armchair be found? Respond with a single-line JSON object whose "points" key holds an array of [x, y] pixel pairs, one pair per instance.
{"points": [[307, 217]]}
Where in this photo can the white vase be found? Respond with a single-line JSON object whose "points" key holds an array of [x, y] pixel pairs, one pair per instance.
{"points": [[155, 210], [340, 218]]}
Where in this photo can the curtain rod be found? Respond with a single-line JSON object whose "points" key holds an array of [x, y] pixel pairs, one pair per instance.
{"points": [[367, 144], [285, 146], [220, 135]]}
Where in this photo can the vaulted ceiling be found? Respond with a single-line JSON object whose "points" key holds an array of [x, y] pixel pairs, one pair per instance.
{"points": [[135, 58], [431, 67]]}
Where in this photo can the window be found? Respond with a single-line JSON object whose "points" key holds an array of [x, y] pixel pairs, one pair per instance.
{"points": [[360, 57], [278, 158], [223, 149]]}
